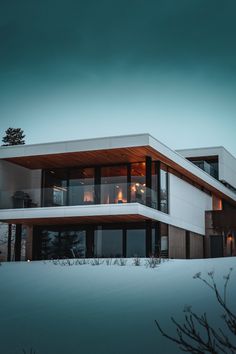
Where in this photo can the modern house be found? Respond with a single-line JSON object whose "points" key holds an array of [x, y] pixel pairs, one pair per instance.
{"points": [[120, 196]]}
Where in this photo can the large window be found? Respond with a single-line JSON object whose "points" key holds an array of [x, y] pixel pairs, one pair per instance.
{"points": [[108, 243], [136, 243], [154, 190], [138, 182], [62, 243], [81, 186], [114, 184], [164, 189], [108, 185], [55, 191]]}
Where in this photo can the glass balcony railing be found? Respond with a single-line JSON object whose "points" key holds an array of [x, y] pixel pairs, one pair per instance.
{"points": [[116, 193], [207, 167]]}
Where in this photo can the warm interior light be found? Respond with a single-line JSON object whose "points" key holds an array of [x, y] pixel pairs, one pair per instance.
{"points": [[88, 196]]}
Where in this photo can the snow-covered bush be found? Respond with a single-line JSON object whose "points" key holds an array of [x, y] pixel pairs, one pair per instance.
{"points": [[136, 261], [152, 262], [108, 261], [120, 261], [96, 261]]}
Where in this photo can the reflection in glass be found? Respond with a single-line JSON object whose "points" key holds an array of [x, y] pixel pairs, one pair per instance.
{"points": [[63, 244], [114, 184], [164, 191], [55, 192], [138, 182], [154, 192], [81, 186], [136, 243], [108, 243]]}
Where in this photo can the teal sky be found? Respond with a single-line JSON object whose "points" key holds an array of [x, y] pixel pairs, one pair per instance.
{"points": [[78, 69]]}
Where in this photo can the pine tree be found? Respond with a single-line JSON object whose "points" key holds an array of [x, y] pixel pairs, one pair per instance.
{"points": [[14, 136]]}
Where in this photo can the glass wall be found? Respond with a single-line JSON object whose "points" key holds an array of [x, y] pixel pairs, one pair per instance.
{"points": [[138, 182], [163, 189], [154, 192], [136, 243], [114, 184], [108, 243], [81, 186], [62, 243], [107, 185], [55, 191]]}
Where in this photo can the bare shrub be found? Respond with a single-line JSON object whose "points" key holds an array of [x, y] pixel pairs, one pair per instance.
{"points": [[196, 335], [108, 261], [136, 261], [152, 262], [96, 261]]}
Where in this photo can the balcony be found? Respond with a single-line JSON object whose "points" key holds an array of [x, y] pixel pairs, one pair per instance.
{"points": [[58, 196]]}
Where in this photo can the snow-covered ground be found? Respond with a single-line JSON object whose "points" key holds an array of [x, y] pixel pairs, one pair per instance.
{"points": [[85, 309]]}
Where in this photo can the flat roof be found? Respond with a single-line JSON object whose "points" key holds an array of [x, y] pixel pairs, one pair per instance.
{"points": [[114, 149]]}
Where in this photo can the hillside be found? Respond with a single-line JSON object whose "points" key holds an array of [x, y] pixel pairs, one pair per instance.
{"points": [[102, 309]]}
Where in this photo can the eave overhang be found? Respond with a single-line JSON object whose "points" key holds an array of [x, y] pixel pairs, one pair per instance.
{"points": [[111, 150]]}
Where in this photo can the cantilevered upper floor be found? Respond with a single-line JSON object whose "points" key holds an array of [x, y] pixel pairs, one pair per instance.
{"points": [[112, 172]]}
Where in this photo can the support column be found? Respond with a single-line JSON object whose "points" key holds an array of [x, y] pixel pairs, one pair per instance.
{"points": [[124, 241], [9, 242], [97, 185], [90, 242], [29, 243], [148, 181], [158, 171], [129, 183], [18, 242]]}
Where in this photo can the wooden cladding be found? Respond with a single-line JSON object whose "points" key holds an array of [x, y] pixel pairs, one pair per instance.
{"points": [[84, 158]]}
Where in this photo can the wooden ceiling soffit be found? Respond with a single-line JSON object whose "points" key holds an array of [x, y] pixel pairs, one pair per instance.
{"points": [[80, 220], [106, 157]]}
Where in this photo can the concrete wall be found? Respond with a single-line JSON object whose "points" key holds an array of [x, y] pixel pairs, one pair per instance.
{"points": [[177, 242], [227, 167], [16, 178], [227, 162], [187, 205]]}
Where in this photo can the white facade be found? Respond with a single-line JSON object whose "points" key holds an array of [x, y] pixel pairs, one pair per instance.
{"points": [[227, 162], [187, 203], [14, 178]]}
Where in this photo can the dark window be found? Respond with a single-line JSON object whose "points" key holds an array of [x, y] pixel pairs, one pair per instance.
{"points": [[154, 190], [164, 190], [55, 187], [108, 243], [216, 246], [62, 244], [136, 243]]}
